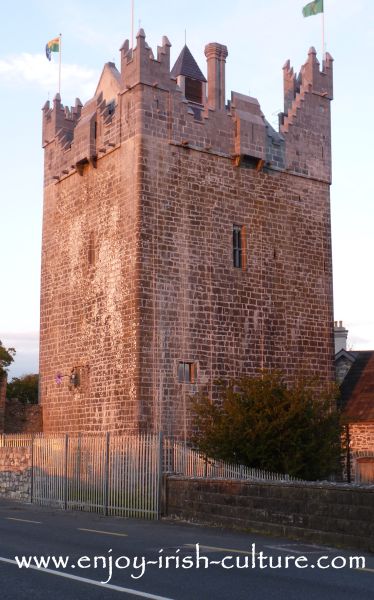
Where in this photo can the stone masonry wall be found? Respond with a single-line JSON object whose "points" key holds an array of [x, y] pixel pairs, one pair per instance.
{"points": [[362, 446], [22, 418], [275, 313], [319, 513], [89, 309], [15, 473], [141, 195]]}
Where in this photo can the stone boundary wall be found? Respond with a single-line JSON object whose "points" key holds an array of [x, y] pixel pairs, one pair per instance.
{"points": [[22, 418], [333, 514], [3, 382], [15, 473]]}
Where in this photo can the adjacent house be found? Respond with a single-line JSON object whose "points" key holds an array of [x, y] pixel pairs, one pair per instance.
{"points": [[355, 374]]}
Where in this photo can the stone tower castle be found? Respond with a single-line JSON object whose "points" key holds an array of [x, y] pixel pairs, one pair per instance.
{"points": [[184, 239]]}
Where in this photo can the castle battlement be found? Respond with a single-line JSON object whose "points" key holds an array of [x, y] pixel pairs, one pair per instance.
{"points": [[192, 112], [185, 240], [305, 122]]}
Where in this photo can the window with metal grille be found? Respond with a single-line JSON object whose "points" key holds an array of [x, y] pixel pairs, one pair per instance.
{"points": [[238, 246], [187, 372]]}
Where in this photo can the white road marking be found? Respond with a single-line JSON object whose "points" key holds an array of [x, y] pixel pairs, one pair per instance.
{"points": [[217, 549], [291, 549], [103, 532], [366, 569], [107, 586], [22, 520]]}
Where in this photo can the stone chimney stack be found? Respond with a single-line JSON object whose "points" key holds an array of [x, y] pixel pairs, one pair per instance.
{"points": [[340, 336], [216, 59]]}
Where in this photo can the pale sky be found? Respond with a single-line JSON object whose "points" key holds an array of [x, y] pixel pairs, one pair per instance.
{"points": [[261, 35]]}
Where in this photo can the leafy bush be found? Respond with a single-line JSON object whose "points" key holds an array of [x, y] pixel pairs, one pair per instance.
{"points": [[264, 423], [6, 358], [25, 389]]}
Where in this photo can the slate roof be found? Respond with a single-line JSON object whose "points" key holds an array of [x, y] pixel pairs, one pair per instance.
{"points": [[357, 389], [186, 65]]}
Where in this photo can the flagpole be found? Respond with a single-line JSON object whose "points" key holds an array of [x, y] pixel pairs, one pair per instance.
{"points": [[132, 26], [59, 64], [323, 31]]}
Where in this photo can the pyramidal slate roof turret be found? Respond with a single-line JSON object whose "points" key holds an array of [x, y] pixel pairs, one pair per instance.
{"points": [[186, 65]]}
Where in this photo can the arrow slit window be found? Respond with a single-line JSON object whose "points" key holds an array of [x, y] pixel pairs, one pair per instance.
{"points": [[238, 246]]}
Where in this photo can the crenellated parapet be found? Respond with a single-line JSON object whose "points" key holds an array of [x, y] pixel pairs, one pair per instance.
{"points": [[305, 122], [59, 119], [310, 80], [290, 86], [80, 135], [321, 81], [145, 97], [138, 65]]}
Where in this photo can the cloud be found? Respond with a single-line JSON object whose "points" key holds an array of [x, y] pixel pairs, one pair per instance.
{"points": [[24, 342], [24, 336], [34, 69]]}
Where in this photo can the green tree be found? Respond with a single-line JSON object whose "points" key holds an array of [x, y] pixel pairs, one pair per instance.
{"points": [[6, 358], [264, 423], [24, 388]]}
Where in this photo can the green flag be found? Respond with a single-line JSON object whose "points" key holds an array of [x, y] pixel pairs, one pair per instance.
{"points": [[313, 8]]}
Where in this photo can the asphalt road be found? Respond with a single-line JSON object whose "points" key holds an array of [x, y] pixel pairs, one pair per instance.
{"points": [[33, 531]]}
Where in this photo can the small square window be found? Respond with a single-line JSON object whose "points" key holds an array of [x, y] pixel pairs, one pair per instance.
{"points": [[187, 372]]}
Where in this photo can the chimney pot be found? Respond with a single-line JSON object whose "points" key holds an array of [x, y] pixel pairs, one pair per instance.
{"points": [[340, 335]]}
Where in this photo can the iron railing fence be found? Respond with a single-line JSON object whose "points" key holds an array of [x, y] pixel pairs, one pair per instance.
{"points": [[117, 475], [14, 440], [181, 459], [177, 458]]}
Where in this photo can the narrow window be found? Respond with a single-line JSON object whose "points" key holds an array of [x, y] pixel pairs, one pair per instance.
{"points": [[74, 378], [91, 249], [238, 246], [187, 372]]}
